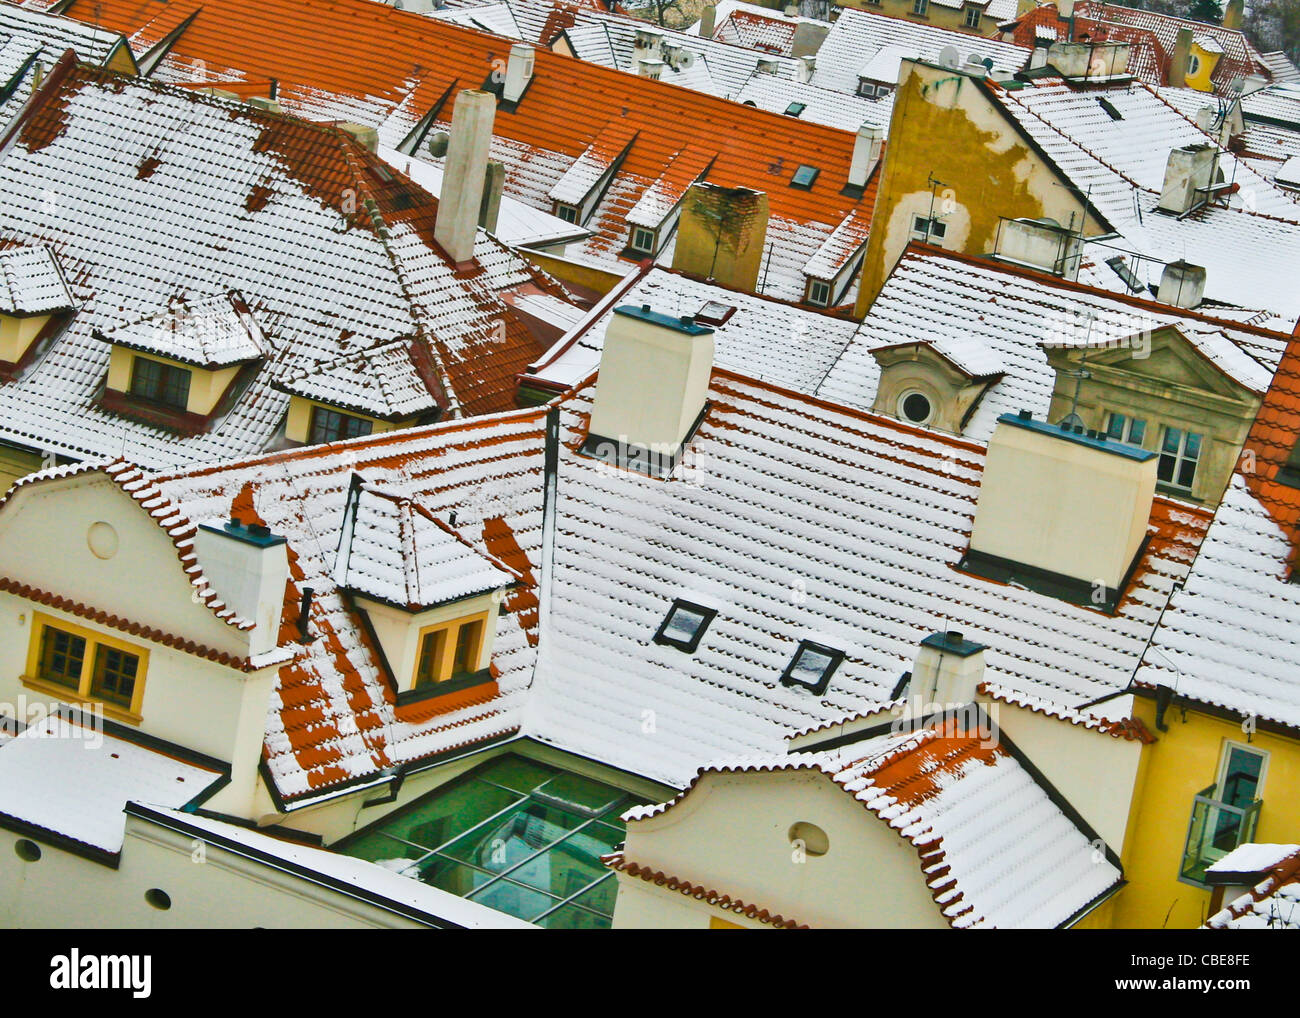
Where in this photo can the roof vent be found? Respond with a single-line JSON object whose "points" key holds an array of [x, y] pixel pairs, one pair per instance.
{"points": [[650, 67]]}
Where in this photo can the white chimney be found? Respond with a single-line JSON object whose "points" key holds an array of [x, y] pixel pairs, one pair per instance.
{"points": [[1188, 169], [248, 567], [807, 65], [1182, 285], [646, 44], [867, 147], [649, 68], [1061, 506], [519, 72], [768, 65], [1040, 244], [464, 173], [653, 381], [947, 671]]}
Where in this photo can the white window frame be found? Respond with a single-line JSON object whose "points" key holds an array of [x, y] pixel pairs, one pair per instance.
{"points": [[1228, 746], [971, 9], [1180, 457], [921, 8], [1127, 428], [561, 207], [813, 284], [936, 229], [654, 240]]}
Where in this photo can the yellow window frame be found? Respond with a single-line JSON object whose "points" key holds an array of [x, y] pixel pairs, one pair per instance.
{"points": [[82, 694], [444, 654]]}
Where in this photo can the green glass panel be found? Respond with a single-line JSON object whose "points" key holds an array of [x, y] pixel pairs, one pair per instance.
{"points": [[581, 792], [560, 872], [451, 876], [379, 847], [514, 837], [601, 897], [441, 818], [516, 772], [514, 899], [571, 917]]}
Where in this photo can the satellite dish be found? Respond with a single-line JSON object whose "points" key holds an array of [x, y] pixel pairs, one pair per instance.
{"points": [[438, 144], [949, 57], [685, 60]]}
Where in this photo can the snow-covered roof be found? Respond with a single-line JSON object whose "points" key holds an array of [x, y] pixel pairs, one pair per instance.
{"points": [[846, 110], [394, 381], [1280, 66], [596, 160], [1273, 903], [1278, 103], [661, 197], [355, 875], [863, 517], [396, 551], [857, 37], [168, 198], [211, 332], [1253, 858], [32, 283], [989, 319], [67, 778], [497, 18], [995, 850]]}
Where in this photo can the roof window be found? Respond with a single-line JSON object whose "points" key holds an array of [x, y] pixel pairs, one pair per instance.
{"points": [[812, 667], [1122, 270], [804, 176], [794, 109], [714, 312], [685, 625]]}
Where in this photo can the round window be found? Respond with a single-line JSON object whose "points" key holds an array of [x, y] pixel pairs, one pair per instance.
{"points": [[27, 851], [811, 838], [102, 540], [158, 899], [915, 407]]}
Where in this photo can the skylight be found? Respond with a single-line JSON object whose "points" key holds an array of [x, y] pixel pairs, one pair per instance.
{"points": [[812, 667], [804, 177], [794, 109], [685, 625], [714, 312], [1125, 273], [1110, 109]]}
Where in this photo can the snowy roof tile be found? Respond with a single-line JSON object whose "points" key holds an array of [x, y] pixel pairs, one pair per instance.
{"points": [[393, 381], [211, 332], [1273, 903], [394, 550], [595, 161], [31, 282], [661, 197]]}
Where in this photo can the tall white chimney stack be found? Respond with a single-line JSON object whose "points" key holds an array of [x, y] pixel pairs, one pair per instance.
{"points": [[519, 72], [464, 173], [867, 147], [248, 567]]}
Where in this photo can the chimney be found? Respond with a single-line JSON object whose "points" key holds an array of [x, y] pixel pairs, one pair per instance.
{"points": [[490, 207], [248, 567], [722, 234], [1040, 244], [653, 381], [866, 153], [649, 68], [519, 72], [646, 45], [1232, 13], [708, 22], [768, 65], [1064, 8], [1188, 169], [366, 137], [1081, 60], [807, 65], [947, 671], [464, 174], [1182, 285], [1178, 60], [1061, 511]]}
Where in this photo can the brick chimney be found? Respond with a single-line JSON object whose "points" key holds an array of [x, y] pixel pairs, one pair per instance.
{"points": [[464, 174], [722, 234], [653, 381]]}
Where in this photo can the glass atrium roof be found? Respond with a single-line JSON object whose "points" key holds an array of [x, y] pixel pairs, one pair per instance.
{"points": [[517, 835]]}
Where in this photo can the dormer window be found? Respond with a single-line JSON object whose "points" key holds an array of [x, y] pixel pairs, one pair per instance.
{"points": [[973, 15], [685, 625], [812, 667], [569, 213], [334, 426], [157, 382], [450, 652], [643, 240], [819, 293]]}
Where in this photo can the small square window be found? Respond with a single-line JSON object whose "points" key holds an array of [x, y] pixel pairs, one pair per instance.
{"points": [[804, 176], [812, 667], [973, 17], [1129, 430], [794, 109], [819, 293], [569, 213], [643, 239], [332, 426], [928, 230], [164, 384], [685, 625]]}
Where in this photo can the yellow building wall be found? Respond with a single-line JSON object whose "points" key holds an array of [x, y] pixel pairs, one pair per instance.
{"points": [[944, 127], [1183, 761], [297, 426], [14, 463], [206, 387], [17, 333], [588, 277], [1205, 64], [935, 15]]}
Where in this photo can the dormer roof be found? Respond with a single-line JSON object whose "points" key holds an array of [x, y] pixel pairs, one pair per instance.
{"points": [[394, 381], [394, 550], [213, 332], [32, 283]]}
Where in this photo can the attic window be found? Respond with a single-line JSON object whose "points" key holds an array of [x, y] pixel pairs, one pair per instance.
{"points": [[812, 667], [685, 625], [803, 177], [569, 213], [714, 312], [1110, 109], [794, 109], [1122, 270]]}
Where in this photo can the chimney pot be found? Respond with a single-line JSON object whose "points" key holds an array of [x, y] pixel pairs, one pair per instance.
{"points": [[248, 568]]}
